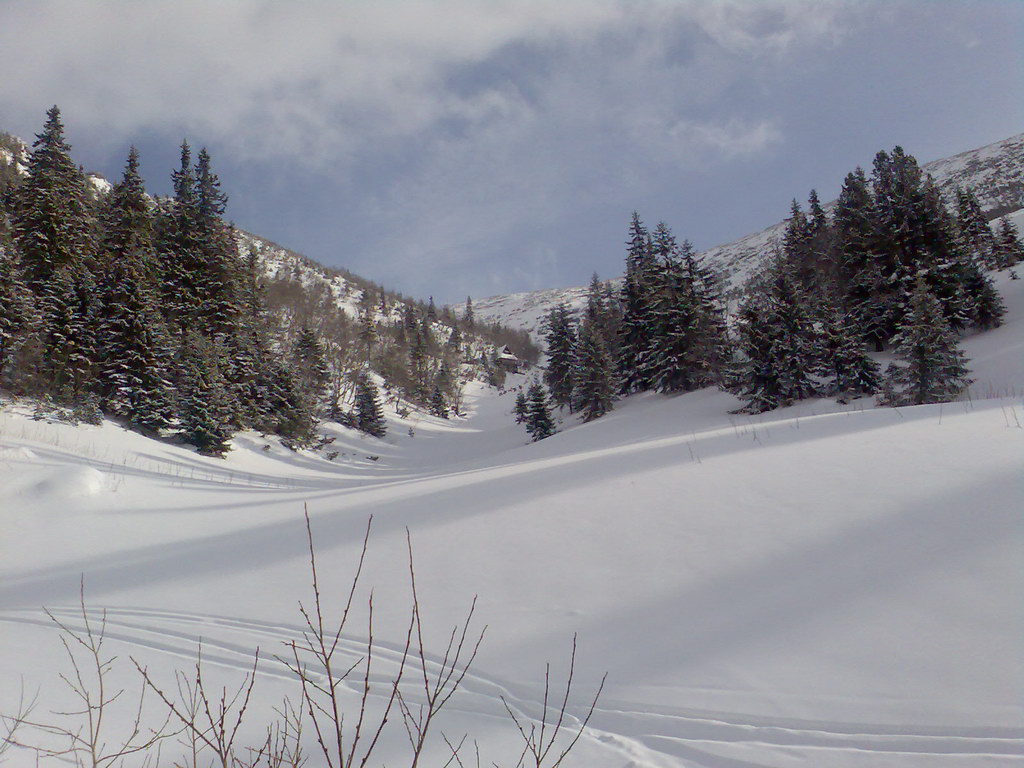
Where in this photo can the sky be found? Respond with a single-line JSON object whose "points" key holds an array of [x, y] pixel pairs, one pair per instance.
{"points": [[481, 147]]}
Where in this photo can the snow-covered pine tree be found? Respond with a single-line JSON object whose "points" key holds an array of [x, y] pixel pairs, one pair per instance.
{"points": [[593, 385], [418, 366], [179, 250], [309, 366], [669, 361], [438, 406], [955, 273], [204, 407], [134, 351], [688, 328], [933, 369], [1010, 250], [560, 337], [865, 291], [50, 210], [975, 235], [52, 229], [842, 359], [368, 411], [520, 408], [539, 423], [219, 265], [17, 313], [775, 341], [637, 290]]}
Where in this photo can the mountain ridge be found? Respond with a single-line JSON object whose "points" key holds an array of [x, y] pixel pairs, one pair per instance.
{"points": [[995, 171]]}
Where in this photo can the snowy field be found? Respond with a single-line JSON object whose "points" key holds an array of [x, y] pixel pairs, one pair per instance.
{"points": [[825, 585]]}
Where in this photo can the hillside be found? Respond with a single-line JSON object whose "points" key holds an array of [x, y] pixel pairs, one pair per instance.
{"points": [[825, 584], [995, 171]]}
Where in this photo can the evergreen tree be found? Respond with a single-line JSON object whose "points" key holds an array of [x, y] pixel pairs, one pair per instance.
{"points": [[16, 307], [602, 312], [976, 236], [521, 408], [179, 249], [309, 366], [205, 410], [687, 328], [843, 359], [775, 342], [637, 289], [454, 342], [539, 423], [134, 352], [69, 309], [52, 227], [560, 337], [438, 406], [218, 267], [468, 318], [369, 413], [934, 370], [418, 361], [252, 375], [367, 332], [53, 233], [865, 289], [1010, 250], [593, 390]]}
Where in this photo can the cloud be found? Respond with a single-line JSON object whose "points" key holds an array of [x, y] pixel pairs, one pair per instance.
{"points": [[456, 123], [316, 80]]}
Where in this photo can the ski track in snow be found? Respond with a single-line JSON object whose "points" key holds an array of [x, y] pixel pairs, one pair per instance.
{"points": [[945, 557], [679, 733]]}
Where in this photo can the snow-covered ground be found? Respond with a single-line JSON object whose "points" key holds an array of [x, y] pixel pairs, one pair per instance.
{"points": [[826, 585]]}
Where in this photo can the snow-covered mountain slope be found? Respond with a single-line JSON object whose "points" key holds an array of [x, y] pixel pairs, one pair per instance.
{"points": [[995, 171], [834, 585]]}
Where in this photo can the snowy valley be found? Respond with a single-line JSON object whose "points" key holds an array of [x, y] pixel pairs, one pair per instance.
{"points": [[829, 583]]}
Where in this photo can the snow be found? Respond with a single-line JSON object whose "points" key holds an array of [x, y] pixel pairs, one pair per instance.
{"points": [[826, 584]]}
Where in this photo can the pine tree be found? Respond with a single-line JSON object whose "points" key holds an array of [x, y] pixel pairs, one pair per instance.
{"points": [[369, 413], [418, 359], [17, 313], [842, 357], [593, 390], [251, 374], [438, 406], [1010, 250], [179, 249], [934, 369], [52, 226], [976, 236], [205, 410], [309, 366], [367, 332], [52, 230], [134, 352], [539, 423], [560, 337], [218, 267], [637, 288], [520, 409], [687, 327], [468, 318], [775, 342], [865, 289]]}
